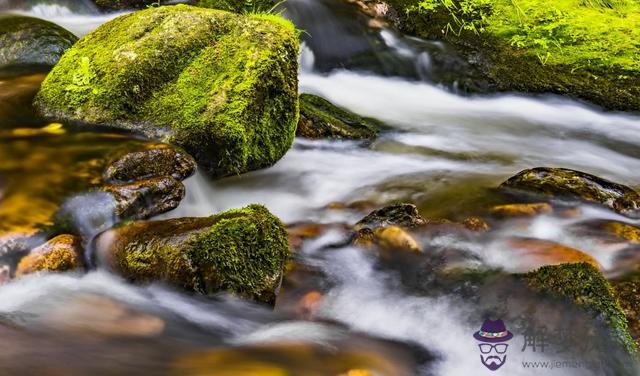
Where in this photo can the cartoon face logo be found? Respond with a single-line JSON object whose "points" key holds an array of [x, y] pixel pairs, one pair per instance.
{"points": [[492, 338]]}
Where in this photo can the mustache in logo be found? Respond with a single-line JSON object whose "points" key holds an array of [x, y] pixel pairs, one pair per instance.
{"points": [[497, 359]]}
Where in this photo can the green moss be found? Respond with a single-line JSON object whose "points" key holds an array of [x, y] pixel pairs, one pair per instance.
{"points": [[237, 6], [627, 292], [27, 40], [242, 251], [245, 252], [585, 286], [220, 85], [320, 118], [126, 4], [584, 48]]}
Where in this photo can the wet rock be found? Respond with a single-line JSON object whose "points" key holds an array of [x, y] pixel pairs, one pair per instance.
{"points": [[402, 215], [529, 253], [583, 285], [566, 183], [353, 358], [391, 238], [62, 253], [95, 315], [476, 224], [309, 304], [13, 247], [299, 232], [521, 210], [90, 213], [146, 198], [26, 40], [241, 251], [320, 119], [222, 86], [150, 163], [623, 230]]}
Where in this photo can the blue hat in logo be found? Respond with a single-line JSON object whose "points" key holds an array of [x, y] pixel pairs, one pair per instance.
{"points": [[493, 331]]}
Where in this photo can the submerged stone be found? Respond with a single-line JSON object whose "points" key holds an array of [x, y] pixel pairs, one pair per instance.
{"points": [[62, 253], [220, 85], [27, 40], [320, 118], [391, 238], [528, 253], [585, 286], [572, 184], [242, 251], [402, 215], [152, 162], [521, 210]]}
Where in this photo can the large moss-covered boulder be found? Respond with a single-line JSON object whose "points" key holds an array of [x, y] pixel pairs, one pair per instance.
{"points": [[27, 40], [320, 118], [586, 287], [572, 184], [220, 85], [241, 251]]}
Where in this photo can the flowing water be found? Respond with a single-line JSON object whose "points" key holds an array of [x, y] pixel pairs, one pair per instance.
{"points": [[445, 152]]}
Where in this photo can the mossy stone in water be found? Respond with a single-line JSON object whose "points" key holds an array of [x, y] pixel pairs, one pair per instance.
{"points": [[27, 40], [320, 118], [586, 287], [566, 183], [220, 85], [242, 251]]}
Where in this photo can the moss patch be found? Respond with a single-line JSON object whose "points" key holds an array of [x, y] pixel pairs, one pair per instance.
{"points": [[584, 48], [222, 86], [244, 252], [237, 6], [320, 118], [585, 286]]}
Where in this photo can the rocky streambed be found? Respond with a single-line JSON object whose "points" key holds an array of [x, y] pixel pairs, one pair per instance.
{"points": [[170, 204]]}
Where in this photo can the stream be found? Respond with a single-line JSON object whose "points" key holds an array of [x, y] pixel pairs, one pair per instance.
{"points": [[445, 152]]}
